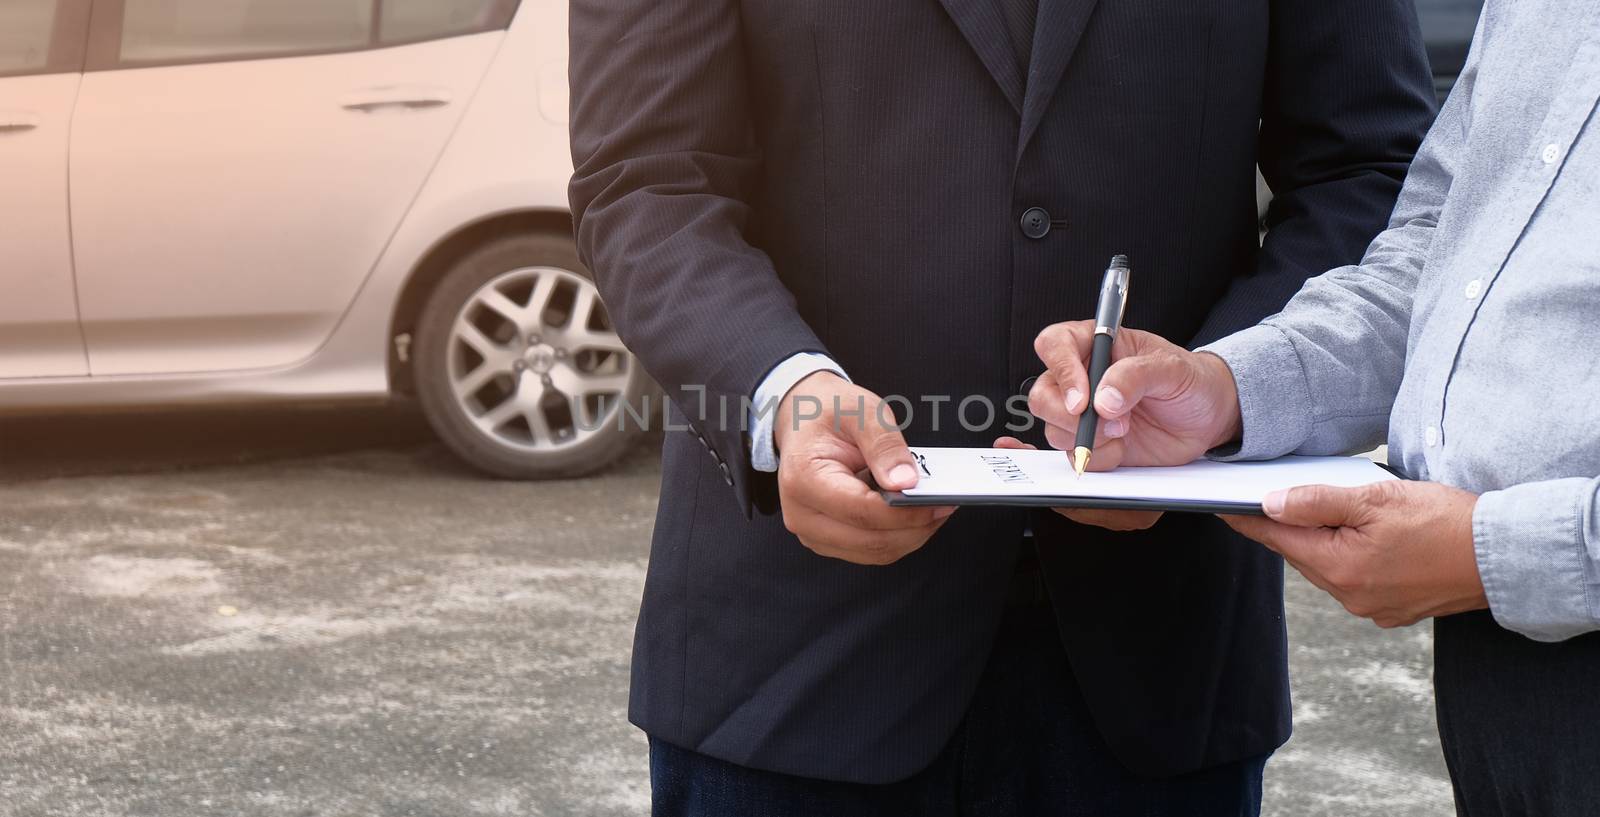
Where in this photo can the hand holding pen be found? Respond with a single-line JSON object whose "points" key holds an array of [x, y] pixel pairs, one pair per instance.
{"points": [[1153, 403]]}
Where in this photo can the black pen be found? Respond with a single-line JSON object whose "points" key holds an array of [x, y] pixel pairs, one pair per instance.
{"points": [[1107, 320]]}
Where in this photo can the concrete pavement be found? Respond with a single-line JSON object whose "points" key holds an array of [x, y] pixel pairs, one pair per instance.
{"points": [[321, 613]]}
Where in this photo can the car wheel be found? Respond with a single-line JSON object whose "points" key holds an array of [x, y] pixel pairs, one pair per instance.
{"points": [[518, 368]]}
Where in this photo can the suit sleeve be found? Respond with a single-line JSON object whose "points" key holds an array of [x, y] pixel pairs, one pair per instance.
{"points": [[1347, 99], [665, 161], [1321, 376]]}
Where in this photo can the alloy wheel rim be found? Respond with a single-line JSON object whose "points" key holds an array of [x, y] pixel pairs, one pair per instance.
{"points": [[534, 362]]}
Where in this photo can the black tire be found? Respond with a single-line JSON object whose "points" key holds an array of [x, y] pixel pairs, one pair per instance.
{"points": [[586, 451]]}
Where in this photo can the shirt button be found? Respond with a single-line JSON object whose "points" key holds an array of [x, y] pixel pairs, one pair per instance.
{"points": [[1474, 287], [1552, 152], [1431, 436], [1036, 223]]}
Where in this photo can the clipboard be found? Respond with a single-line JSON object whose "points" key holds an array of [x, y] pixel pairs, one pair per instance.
{"points": [[1044, 479], [899, 500]]}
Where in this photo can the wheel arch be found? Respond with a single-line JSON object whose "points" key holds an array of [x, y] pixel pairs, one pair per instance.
{"points": [[442, 257]]}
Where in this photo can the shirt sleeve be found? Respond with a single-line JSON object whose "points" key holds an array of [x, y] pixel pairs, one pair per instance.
{"points": [[1321, 376], [764, 411], [1538, 551]]}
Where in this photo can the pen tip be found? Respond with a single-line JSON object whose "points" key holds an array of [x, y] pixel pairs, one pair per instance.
{"points": [[1080, 460]]}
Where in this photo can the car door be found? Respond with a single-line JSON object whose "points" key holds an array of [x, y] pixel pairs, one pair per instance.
{"points": [[41, 59], [239, 165]]}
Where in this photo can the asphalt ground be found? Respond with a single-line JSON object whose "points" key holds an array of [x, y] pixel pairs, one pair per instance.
{"points": [[320, 613]]}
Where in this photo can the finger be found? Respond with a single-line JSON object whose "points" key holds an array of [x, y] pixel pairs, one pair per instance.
{"points": [[1261, 531], [1108, 456], [1112, 520], [1064, 350], [884, 448], [1315, 506], [1047, 401], [1132, 379], [823, 530], [1065, 438], [1302, 546], [1254, 528], [829, 488], [838, 540], [1251, 527], [1014, 444], [1316, 579]]}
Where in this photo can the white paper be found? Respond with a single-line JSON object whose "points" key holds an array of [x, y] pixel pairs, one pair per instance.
{"points": [[992, 473]]}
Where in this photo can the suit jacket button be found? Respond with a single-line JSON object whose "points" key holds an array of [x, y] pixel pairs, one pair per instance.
{"points": [[1036, 223]]}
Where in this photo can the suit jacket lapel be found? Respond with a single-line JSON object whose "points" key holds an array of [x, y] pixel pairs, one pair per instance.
{"points": [[985, 29], [1055, 39]]}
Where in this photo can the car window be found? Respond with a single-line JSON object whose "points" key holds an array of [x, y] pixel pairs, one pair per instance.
{"points": [[410, 20], [25, 29], [1449, 6], [189, 30], [1448, 21]]}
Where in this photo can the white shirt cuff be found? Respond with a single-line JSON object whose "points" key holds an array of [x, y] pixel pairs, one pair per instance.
{"points": [[764, 411]]}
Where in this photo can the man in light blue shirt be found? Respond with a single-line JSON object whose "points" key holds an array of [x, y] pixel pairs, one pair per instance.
{"points": [[1470, 333]]}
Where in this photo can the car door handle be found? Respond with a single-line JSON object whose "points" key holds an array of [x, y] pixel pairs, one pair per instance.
{"points": [[16, 121], [374, 100]]}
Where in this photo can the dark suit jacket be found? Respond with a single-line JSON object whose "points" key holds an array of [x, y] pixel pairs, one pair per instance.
{"points": [[757, 178]]}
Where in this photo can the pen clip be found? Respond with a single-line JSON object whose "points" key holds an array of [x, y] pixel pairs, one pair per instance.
{"points": [[1123, 284]]}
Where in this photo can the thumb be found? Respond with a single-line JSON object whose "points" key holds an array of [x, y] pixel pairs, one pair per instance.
{"points": [[1132, 379], [884, 448], [1314, 506]]}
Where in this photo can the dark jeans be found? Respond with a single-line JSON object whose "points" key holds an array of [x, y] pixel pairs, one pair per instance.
{"points": [[1026, 747], [1519, 719]]}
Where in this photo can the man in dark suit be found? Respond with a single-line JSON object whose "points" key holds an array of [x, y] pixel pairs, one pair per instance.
{"points": [[776, 194]]}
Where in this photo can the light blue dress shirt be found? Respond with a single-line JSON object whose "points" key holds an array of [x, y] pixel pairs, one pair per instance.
{"points": [[1470, 332], [763, 412]]}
